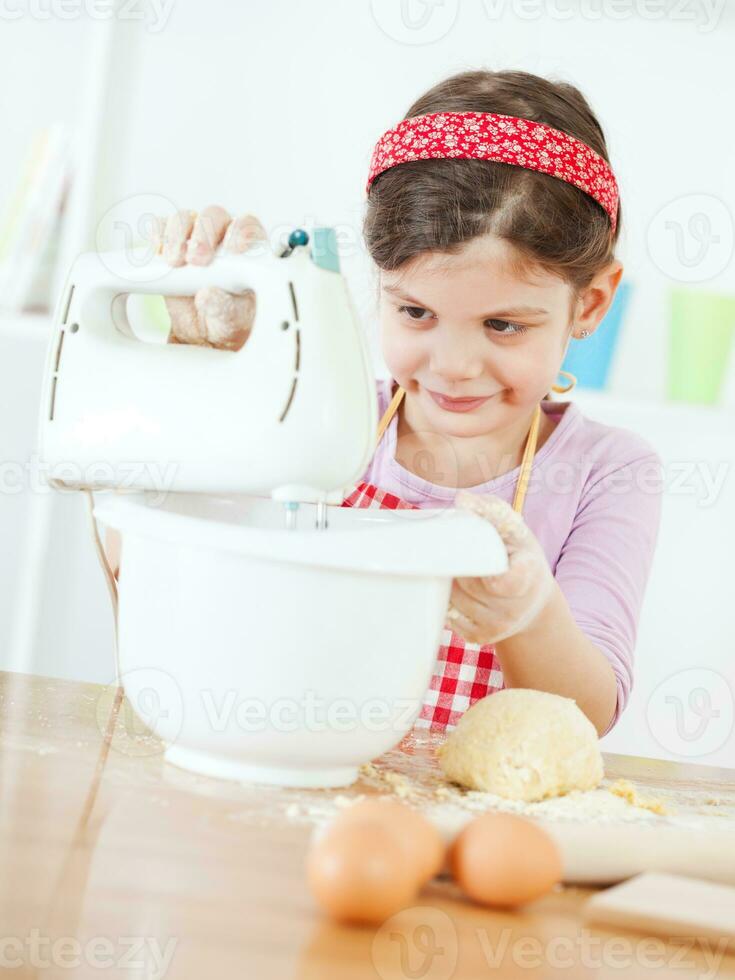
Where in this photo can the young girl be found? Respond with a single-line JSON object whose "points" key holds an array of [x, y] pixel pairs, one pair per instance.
{"points": [[492, 217]]}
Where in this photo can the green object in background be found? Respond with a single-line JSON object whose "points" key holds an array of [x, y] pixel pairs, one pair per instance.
{"points": [[154, 308], [149, 317], [701, 332]]}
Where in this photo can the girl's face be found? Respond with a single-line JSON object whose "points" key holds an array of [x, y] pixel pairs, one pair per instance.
{"points": [[465, 326]]}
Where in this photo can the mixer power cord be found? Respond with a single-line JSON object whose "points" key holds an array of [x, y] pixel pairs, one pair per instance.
{"points": [[109, 576]]}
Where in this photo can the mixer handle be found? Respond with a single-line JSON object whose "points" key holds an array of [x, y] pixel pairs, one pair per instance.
{"points": [[135, 271]]}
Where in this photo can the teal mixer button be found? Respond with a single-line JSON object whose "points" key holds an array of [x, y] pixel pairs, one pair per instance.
{"points": [[324, 249], [298, 237]]}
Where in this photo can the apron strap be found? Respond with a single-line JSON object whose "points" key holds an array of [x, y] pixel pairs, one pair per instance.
{"points": [[389, 413], [528, 453]]}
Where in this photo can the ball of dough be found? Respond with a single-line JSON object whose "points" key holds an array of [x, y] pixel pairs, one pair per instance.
{"points": [[524, 745]]}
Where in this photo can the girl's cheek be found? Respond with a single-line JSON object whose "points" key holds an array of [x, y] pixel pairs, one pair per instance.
{"points": [[526, 366], [401, 354]]}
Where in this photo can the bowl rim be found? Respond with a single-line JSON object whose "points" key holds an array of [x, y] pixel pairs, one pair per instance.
{"points": [[450, 543]]}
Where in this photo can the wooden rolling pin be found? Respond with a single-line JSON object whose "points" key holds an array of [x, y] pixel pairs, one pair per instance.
{"points": [[603, 853], [606, 853]]}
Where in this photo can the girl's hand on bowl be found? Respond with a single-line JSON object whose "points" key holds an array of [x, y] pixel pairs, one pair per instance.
{"points": [[212, 317], [489, 609]]}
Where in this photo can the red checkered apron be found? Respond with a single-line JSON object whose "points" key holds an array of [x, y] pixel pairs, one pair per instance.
{"points": [[464, 672]]}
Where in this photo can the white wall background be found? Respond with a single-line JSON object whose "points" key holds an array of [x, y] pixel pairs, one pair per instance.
{"points": [[273, 108]]}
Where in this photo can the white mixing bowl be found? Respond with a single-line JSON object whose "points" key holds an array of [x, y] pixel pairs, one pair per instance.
{"points": [[286, 656]]}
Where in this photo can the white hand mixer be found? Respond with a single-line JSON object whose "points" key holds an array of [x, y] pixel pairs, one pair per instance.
{"points": [[293, 413], [217, 593]]}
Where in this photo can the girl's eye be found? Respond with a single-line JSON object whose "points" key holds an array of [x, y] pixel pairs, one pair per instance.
{"points": [[516, 328], [411, 310], [415, 313]]}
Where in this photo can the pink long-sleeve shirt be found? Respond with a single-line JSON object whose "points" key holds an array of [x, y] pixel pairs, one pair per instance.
{"points": [[594, 503]]}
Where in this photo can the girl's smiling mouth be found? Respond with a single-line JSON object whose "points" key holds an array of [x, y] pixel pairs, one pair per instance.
{"points": [[458, 404]]}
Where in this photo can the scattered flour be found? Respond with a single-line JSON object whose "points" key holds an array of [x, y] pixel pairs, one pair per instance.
{"points": [[411, 773]]}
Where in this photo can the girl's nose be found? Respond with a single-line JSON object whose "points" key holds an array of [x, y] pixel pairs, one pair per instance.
{"points": [[455, 362]]}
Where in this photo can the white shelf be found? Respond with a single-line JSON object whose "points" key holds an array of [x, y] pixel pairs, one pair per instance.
{"points": [[641, 413], [24, 326]]}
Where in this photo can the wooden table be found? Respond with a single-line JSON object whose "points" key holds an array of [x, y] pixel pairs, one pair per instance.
{"points": [[109, 861]]}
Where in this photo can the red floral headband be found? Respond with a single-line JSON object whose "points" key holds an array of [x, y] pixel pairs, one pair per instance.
{"points": [[504, 139]]}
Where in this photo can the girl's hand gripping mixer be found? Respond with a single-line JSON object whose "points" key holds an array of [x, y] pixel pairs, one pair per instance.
{"points": [[292, 414]]}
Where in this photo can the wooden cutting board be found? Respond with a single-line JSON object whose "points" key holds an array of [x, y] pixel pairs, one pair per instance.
{"points": [[670, 905]]}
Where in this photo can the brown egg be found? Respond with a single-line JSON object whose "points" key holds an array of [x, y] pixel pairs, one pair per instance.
{"points": [[360, 872], [417, 835], [506, 860]]}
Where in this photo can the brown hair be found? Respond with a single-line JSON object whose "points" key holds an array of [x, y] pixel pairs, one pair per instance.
{"points": [[440, 205]]}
